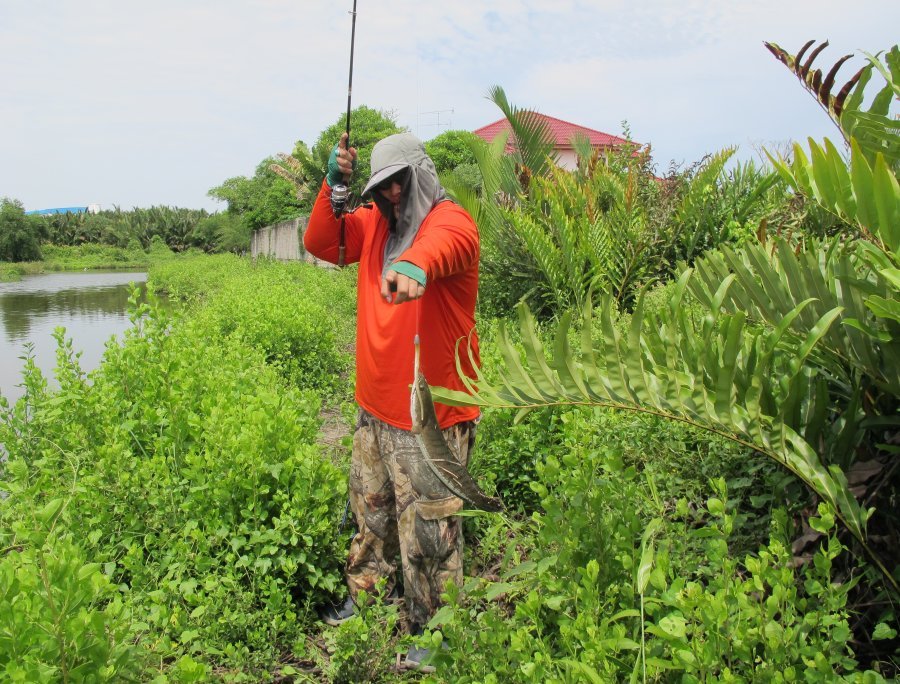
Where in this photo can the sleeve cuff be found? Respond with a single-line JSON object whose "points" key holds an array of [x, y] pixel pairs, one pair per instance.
{"points": [[410, 270]]}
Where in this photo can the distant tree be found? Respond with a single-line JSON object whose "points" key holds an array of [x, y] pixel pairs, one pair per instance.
{"points": [[299, 169], [285, 186], [463, 176], [20, 234], [305, 168], [451, 149], [223, 232], [262, 200]]}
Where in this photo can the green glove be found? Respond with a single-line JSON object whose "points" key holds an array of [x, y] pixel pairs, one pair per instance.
{"points": [[334, 175]]}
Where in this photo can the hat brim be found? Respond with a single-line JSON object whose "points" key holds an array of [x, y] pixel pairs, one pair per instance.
{"points": [[382, 175]]}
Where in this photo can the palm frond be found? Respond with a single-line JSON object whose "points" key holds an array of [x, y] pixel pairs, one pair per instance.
{"points": [[874, 129], [833, 276], [724, 376], [531, 140], [863, 193], [812, 80]]}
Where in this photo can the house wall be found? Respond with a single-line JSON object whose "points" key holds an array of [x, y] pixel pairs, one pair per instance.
{"points": [[568, 159]]}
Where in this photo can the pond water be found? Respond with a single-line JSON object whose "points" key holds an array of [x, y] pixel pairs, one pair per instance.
{"points": [[91, 306]]}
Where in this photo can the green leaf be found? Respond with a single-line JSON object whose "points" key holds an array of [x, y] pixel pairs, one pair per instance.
{"points": [[647, 554], [672, 625], [88, 570], [188, 635], [887, 203], [50, 510], [863, 189], [555, 602], [883, 631], [716, 507], [441, 616], [498, 589], [884, 308], [586, 672], [686, 658]]}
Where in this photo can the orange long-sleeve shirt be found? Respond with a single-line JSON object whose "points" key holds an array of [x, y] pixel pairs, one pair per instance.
{"points": [[447, 249]]}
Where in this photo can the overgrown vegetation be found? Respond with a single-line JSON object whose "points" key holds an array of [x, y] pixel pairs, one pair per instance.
{"points": [[794, 351], [187, 470], [91, 256]]}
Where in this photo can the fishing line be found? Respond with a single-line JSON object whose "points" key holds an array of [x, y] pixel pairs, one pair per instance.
{"points": [[416, 344], [418, 305]]}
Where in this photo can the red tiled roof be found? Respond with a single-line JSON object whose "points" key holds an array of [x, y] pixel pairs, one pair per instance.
{"points": [[562, 132]]}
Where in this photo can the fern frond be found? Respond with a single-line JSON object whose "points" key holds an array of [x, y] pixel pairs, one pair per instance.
{"points": [[831, 276]]}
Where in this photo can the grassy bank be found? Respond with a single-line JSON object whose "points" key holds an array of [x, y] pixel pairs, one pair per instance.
{"points": [[88, 257]]}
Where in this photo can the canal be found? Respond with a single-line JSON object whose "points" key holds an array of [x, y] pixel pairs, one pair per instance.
{"points": [[92, 306]]}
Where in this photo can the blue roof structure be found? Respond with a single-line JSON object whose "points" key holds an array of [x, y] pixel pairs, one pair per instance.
{"points": [[59, 210]]}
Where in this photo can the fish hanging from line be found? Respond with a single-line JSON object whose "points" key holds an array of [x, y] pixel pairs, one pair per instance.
{"points": [[437, 454]]}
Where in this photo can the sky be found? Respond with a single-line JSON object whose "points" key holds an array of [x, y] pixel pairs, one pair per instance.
{"points": [[132, 104]]}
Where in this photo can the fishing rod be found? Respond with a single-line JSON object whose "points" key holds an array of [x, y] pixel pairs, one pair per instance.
{"points": [[341, 192]]}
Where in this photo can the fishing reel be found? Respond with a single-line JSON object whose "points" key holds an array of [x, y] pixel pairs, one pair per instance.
{"points": [[340, 193]]}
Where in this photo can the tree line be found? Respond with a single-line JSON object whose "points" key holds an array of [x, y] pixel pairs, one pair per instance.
{"points": [[281, 188]]}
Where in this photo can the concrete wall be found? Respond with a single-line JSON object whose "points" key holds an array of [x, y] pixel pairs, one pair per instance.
{"points": [[283, 241]]}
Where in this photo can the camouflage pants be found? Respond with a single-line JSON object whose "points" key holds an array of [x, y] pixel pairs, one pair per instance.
{"points": [[400, 507]]}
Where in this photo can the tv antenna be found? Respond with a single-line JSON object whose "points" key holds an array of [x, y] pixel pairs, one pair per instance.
{"points": [[441, 118]]}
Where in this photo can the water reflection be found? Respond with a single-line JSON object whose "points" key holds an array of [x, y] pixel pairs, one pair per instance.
{"points": [[91, 306]]}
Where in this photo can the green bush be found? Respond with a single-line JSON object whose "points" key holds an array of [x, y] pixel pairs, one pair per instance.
{"points": [[612, 591], [192, 475], [368, 126], [223, 232], [20, 234], [11, 273], [260, 200], [450, 150], [61, 618], [508, 453], [95, 256], [363, 648], [193, 280], [301, 318], [294, 332]]}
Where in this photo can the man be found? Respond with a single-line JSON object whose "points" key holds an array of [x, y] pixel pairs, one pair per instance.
{"points": [[418, 276]]}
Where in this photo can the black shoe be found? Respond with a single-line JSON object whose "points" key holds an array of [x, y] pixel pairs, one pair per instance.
{"points": [[338, 613], [416, 660]]}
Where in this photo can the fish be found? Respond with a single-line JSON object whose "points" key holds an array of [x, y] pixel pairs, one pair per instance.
{"points": [[437, 455]]}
